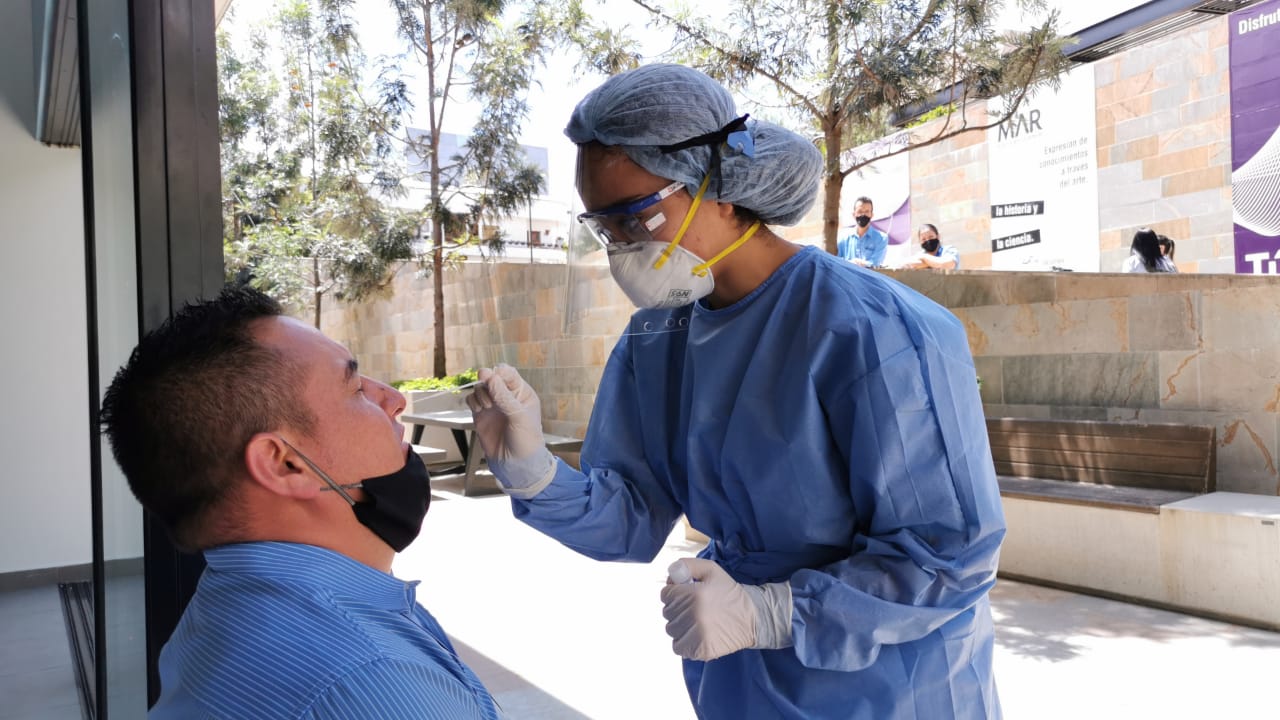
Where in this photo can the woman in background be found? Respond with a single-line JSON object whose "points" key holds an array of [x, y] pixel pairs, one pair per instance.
{"points": [[1145, 254]]}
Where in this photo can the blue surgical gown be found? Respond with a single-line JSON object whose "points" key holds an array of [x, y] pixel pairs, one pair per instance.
{"points": [[825, 430]]}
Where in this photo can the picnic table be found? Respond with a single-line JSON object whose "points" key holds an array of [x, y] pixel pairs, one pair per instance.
{"points": [[460, 423]]}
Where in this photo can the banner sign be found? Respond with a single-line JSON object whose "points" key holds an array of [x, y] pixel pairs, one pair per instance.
{"points": [[1255, 137], [1044, 180]]}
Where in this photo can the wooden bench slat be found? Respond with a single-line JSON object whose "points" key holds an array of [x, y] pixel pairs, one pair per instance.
{"points": [[1162, 431], [1086, 476], [1104, 462], [1120, 498], [1097, 443], [1148, 456]]}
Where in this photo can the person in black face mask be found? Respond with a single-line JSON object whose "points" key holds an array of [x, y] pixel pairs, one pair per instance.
{"points": [[865, 246], [933, 254], [256, 440]]}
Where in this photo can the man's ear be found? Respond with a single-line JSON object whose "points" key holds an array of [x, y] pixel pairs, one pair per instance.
{"points": [[277, 468]]}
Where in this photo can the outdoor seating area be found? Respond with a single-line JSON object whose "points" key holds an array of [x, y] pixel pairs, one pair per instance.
{"points": [[460, 424], [1129, 510]]}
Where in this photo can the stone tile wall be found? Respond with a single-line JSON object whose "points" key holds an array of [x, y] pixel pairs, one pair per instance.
{"points": [[1164, 147], [494, 312], [949, 186], [1198, 349], [1195, 349]]}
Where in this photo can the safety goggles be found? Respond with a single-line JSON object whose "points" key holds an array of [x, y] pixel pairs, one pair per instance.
{"points": [[622, 223]]}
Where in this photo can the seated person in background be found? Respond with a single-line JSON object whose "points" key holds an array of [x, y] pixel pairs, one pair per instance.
{"points": [[255, 439], [1144, 254], [865, 246], [933, 254], [1167, 246]]}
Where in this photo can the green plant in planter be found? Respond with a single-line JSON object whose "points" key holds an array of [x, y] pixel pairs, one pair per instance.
{"points": [[447, 382]]}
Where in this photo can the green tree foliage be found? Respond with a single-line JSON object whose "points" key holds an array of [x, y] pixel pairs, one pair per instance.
{"points": [[848, 69], [492, 48], [316, 138], [305, 213]]}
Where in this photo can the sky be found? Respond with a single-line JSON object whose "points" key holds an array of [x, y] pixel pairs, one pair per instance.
{"points": [[562, 87]]}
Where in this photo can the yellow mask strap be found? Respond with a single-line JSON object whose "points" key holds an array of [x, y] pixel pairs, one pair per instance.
{"points": [[701, 270], [688, 218]]}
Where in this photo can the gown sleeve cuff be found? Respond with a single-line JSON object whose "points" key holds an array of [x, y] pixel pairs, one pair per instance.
{"points": [[523, 479], [774, 608]]}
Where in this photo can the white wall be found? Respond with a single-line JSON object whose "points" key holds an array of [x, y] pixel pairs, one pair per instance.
{"points": [[44, 438]]}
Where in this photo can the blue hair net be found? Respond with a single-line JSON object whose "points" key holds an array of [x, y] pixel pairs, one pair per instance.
{"points": [[645, 109]]}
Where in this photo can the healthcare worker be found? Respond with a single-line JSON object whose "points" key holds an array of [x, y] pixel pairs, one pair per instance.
{"points": [[818, 421]]}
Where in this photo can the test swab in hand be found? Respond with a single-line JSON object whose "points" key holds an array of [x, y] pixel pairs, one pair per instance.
{"points": [[454, 389]]}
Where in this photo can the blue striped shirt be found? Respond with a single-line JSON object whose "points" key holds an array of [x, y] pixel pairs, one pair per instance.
{"points": [[278, 630]]}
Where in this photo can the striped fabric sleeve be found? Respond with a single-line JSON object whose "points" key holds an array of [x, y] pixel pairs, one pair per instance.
{"points": [[395, 690]]}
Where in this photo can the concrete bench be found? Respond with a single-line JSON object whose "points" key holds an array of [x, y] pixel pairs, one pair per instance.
{"points": [[429, 454], [1129, 511], [1123, 466]]}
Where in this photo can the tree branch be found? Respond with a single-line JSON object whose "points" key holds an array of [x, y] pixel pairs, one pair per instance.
{"points": [[964, 126], [862, 62], [734, 57], [924, 19], [448, 80]]}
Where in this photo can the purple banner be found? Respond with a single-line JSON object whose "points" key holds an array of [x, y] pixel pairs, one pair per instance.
{"points": [[1255, 137], [897, 227]]}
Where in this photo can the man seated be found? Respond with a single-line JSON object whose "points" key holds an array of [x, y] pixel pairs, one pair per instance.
{"points": [[255, 439], [933, 254]]}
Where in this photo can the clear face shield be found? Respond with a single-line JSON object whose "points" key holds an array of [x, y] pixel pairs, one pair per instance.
{"points": [[595, 304], [486, 289]]}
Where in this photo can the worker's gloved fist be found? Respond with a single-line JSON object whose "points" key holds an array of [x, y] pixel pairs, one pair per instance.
{"points": [[508, 419], [710, 615]]}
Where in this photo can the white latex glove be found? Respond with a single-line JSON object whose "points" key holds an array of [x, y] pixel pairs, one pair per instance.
{"points": [[508, 418], [712, 615]]}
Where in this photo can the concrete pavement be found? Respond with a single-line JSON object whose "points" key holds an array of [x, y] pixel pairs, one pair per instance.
{"points": [[556, 635]]}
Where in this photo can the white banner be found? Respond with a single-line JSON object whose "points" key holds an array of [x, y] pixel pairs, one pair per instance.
{"points": [[1043, 175]]}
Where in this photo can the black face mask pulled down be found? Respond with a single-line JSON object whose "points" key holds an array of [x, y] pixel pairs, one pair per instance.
{"points": [[396, 503], [930, 246], [863, 220]]}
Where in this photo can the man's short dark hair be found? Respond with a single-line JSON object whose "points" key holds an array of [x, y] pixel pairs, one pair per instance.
{"points": [[181, 411], [864, 199]]}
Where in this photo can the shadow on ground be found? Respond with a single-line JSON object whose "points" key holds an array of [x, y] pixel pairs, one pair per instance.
{"points": [[516, 696], [1048, 624]]}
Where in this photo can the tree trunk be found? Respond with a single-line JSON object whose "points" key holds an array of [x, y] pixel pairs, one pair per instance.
{"points": [[832, 125], [832, 183], [315, 277], [438, 364], [437, 270]]}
